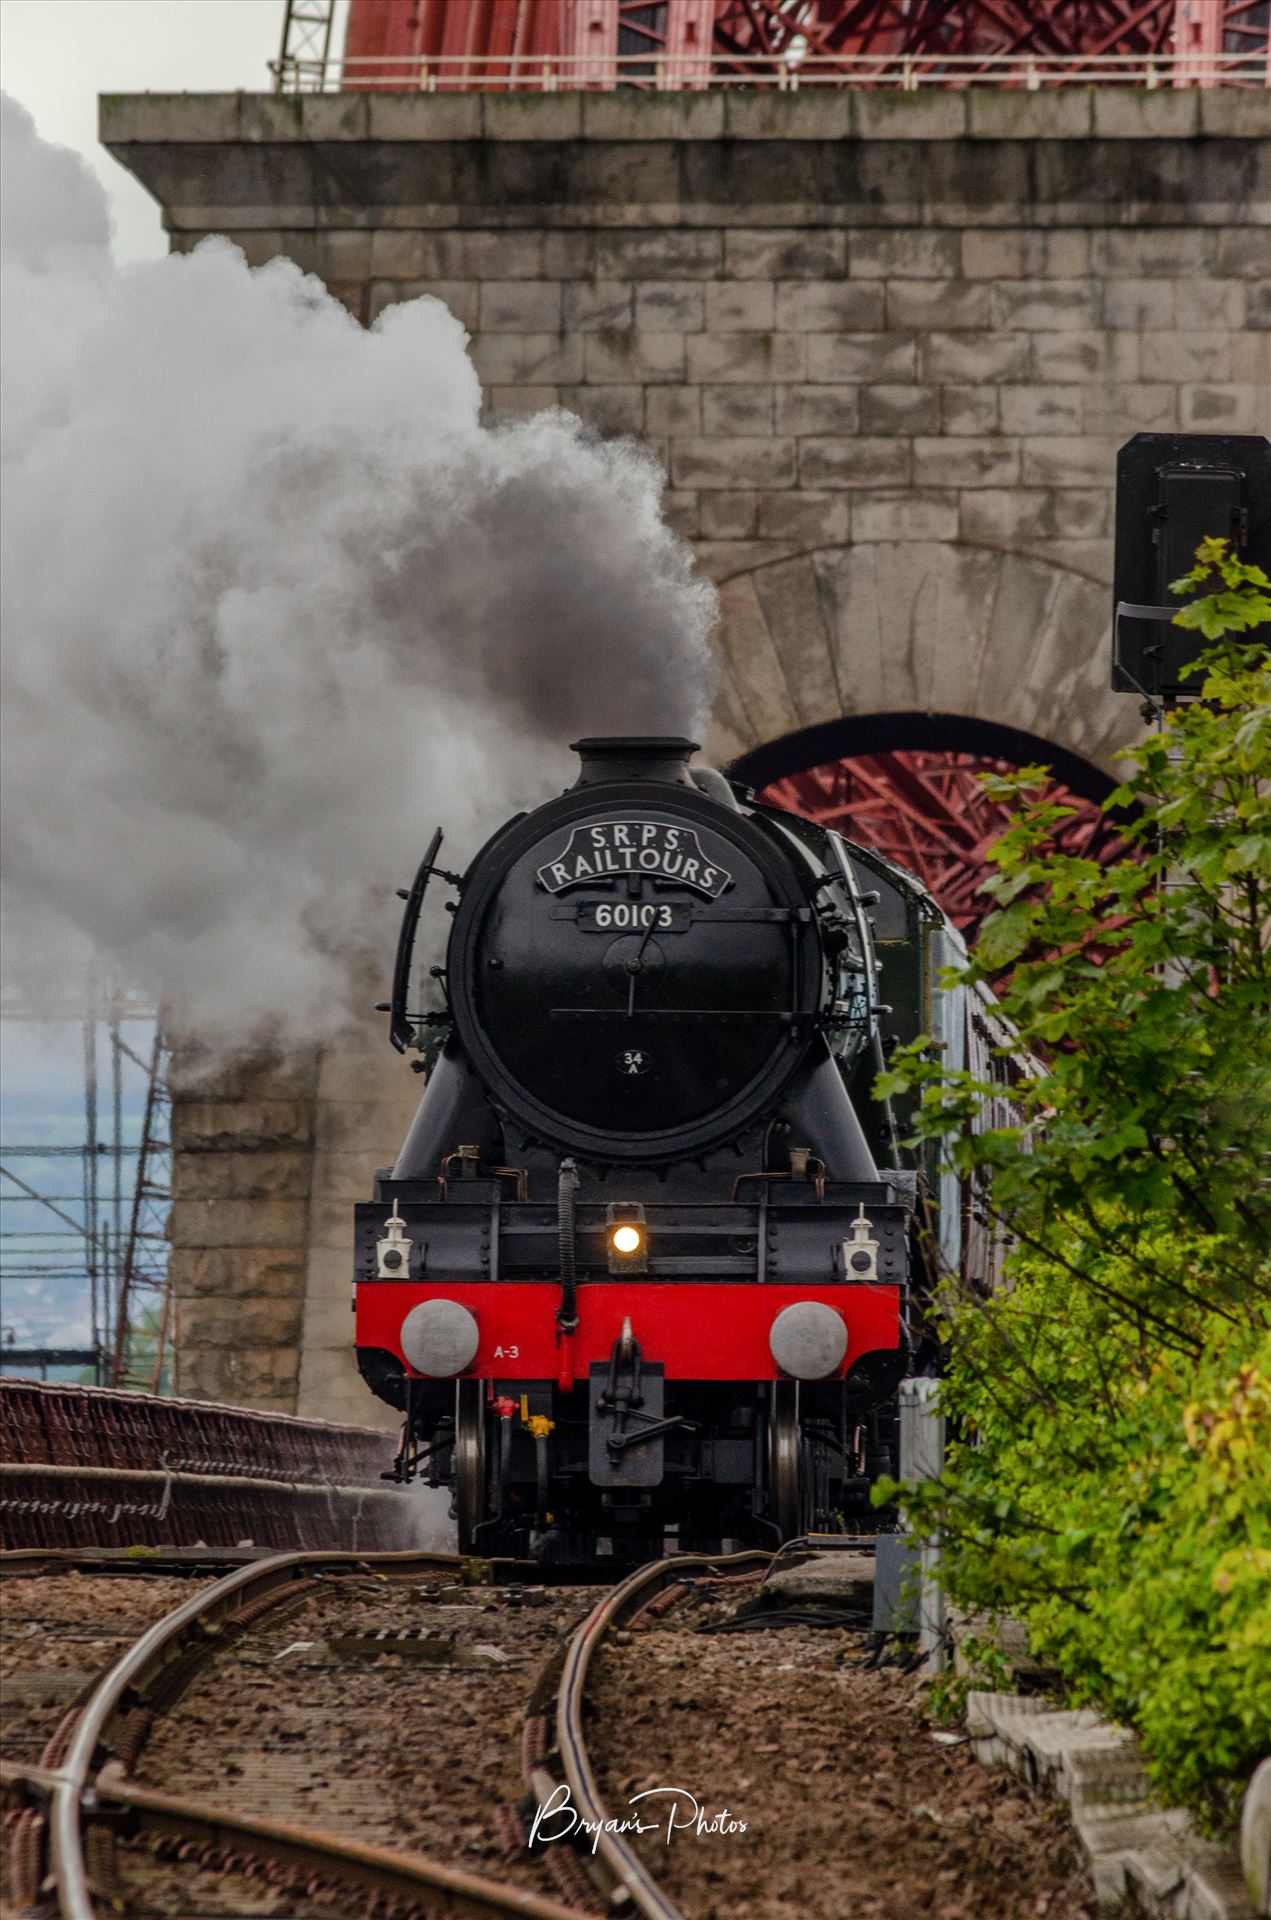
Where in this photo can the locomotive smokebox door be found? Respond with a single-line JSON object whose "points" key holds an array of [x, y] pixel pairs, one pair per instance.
{"points": [[636, 970]]}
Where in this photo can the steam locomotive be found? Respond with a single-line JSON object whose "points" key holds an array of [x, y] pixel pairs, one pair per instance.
{"points": [[650, 1266]]}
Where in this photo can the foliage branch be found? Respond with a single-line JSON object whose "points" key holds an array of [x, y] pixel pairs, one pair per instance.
{"points": [[1109, 1478]]}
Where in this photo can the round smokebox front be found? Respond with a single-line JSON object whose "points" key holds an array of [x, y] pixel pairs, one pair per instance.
{"points": [[634, 971]]}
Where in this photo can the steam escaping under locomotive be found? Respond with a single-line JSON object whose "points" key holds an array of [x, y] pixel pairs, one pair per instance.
{"points": [[650, 1265]]}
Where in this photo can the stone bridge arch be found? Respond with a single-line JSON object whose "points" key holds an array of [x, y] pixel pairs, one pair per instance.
{"points": [[970, 634], [917, 317]]}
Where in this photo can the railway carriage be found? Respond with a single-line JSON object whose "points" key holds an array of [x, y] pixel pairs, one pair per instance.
{"points": [[650, 1265]]}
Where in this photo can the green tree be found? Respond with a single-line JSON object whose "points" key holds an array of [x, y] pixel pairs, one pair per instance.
{"points": [[1110, 1476]]}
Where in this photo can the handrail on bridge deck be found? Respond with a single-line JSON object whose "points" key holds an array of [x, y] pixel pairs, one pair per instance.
{"points": [[782, 73]]}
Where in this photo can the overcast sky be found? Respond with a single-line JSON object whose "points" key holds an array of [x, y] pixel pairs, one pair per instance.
{"points": [[56, 56]]}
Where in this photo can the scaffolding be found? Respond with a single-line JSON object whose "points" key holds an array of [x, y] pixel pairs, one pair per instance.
{"points": [[306, 32], [85, 1190], [144, 1300]]}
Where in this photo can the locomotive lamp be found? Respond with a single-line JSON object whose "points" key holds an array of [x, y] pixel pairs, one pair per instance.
{"points": [[860, 1253], [392, 1253], [625, 1236]]}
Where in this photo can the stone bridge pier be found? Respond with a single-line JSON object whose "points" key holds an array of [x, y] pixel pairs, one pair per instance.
{"points": [[886, 347]]}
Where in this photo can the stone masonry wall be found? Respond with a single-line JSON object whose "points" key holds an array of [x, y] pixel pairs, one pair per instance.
{"points": [[886, 347], [242, 1165]]}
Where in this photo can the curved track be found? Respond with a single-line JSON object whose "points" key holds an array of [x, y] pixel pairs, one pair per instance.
{"points": [[627, 1878], [91, 1757], [83, 1782]]}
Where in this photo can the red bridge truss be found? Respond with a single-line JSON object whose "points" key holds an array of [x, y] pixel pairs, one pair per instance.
{"points": [[700, 43], [928, 811]]}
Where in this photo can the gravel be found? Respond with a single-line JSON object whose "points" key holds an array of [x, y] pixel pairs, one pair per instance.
{"points": [[392, 1711], [57, 1634], [853, 1804], [409, 1743]]}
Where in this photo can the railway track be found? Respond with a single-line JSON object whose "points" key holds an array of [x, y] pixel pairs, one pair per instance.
{"points": [[69, 1809], [88, 1834], [808, 1780], [626, 1878], [390, 1690]]}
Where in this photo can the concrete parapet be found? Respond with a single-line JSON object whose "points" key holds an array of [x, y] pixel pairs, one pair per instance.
{"points": [[989, 113], [943, 160]]}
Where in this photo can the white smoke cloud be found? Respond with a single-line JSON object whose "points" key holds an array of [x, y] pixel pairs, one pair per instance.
{"points": [[275, 601]]}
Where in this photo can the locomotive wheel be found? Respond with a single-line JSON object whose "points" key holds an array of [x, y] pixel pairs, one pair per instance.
{"points": [[470, 1481], [785, 1478]]}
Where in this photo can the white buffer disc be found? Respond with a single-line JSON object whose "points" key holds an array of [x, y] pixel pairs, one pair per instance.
{"points": [[439, 1337], [808, 1340]]}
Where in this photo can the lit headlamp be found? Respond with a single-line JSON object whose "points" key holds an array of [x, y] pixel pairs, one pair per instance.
{"points": [[625, 1238]]}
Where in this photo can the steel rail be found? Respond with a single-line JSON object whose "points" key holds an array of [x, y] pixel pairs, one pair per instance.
{"points": [[42, 1503], [74, 1787], [620, 1861], [156, 1477], [410, 1876], [20, 1563]]}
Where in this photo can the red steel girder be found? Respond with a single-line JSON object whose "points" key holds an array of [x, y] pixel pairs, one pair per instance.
{"points": [[703, 37], [472, 37], [969, 27], [930, 814]]}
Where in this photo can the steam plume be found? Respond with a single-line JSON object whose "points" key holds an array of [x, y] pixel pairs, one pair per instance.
{"points": [[275, 601]]}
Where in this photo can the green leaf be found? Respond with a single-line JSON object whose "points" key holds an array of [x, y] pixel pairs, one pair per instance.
{"points": [[1004, 935], [1109, 1469]]}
